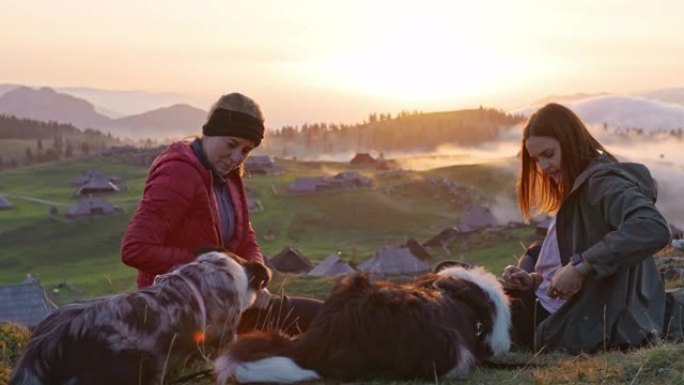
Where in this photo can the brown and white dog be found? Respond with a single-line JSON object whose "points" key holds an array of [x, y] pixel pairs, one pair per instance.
{"points": [[440, 325], [140, 337]]}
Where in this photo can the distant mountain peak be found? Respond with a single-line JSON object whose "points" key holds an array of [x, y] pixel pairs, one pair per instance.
{"points": [[46, 104], [568, 98], [178, 120], [129, 102], [668, 95], [180, 108], [625, 112]]}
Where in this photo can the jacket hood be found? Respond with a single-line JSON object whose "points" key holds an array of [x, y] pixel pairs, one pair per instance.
{"points": [[182, 151], [636, 173], [179, 151]]}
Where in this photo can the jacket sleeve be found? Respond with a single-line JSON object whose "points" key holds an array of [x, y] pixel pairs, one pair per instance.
{"points": [[640, 229], [166, 201], [249, 248]]}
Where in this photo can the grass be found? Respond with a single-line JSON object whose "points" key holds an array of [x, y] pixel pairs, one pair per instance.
{"points": [[85, 254], [13, 338], [658, 364]]}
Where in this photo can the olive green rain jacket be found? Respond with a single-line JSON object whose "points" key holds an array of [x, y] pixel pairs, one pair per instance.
{"points": [[610, 217]]}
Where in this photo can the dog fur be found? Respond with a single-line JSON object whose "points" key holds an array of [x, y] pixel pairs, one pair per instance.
{"points": [[440, 325], [140, 337]]}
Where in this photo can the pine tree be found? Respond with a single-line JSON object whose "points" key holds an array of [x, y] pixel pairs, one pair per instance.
{"points": [[69, 151]]}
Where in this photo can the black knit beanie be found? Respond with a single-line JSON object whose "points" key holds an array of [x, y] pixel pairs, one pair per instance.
{"points": [[224, 122]]}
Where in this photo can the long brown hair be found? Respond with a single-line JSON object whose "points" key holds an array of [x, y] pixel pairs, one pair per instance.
{"points": [[578, 148]]}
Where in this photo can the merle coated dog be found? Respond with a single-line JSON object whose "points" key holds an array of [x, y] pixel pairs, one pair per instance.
{"points": [[440, 325], [141, 337]]}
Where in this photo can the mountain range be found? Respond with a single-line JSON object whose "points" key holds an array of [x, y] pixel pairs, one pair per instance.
{"points": [[47, 104], [117, 104], [142, 114], [623, 112]]}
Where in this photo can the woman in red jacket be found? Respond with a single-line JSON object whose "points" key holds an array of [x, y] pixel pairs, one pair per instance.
{"points": [[194, 197]]}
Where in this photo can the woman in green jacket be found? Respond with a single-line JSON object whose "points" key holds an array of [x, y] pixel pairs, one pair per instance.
{"points": [[595, 284]]}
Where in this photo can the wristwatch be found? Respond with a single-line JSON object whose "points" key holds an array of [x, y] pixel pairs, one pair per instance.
{"points": [[577, 261]]}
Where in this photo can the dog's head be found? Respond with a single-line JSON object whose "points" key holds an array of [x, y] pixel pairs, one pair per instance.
{"points": [[223, 274], [484, 294], [258, 274], [250, 277]]}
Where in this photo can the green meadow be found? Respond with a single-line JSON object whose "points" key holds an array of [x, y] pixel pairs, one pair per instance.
{"points": [[84, 253], [76, 259]]}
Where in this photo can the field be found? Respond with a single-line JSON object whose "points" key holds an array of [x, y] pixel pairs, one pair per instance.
{"points": [[80, 258], [85, 253]]}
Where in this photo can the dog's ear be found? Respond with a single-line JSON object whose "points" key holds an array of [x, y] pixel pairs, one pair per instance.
{"points": [[351, 283], [468, 292], [258, 274], [426, 280]]}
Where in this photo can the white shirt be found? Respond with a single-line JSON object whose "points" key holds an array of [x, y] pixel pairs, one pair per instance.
{"points": [[547, 264]]}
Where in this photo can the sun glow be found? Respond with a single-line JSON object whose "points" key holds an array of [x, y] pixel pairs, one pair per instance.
{"points": [[310, 60], [423, 58], [416, 75]]}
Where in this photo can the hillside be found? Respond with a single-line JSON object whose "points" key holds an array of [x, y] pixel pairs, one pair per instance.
{"points": [[406, 132], [117, 104], [26, 141], [667, 95], [381, 133], [86, 252], [6, 87], [48, 105], [625, 112], [179, 120], [12, 127]]}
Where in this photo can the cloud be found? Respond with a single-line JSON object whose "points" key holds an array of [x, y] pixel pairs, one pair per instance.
{"points": [[625, 112], [668, 171], [661, 153], [505, 209]]}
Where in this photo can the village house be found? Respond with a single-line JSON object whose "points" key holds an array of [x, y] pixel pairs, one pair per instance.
{"points": [[5, 204], [262, 165], [25, 303], [362, 158], [392, 260], [345, 180], [89, 206]]}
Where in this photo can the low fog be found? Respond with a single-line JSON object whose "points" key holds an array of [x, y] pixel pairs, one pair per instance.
{"points": [[661, 153], [624, 112]]}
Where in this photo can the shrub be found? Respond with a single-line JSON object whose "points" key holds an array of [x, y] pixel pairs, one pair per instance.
{"points": [[13, 338]]}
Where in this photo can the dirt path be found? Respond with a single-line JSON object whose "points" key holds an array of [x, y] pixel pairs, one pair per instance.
{"points": [[43, 201]]}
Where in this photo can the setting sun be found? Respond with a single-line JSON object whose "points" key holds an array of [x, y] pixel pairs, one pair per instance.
{"points": [[223, 192], [344, 60]]}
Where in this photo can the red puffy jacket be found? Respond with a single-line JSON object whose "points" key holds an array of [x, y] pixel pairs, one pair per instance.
{"points": [[178, 213]]}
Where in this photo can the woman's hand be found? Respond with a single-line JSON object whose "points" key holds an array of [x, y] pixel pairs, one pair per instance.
{"points": [[263, 298], [565, 283], [515, 278]]}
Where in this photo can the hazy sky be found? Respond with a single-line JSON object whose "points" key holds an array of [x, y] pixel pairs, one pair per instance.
{"points": [[338, 60]]}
